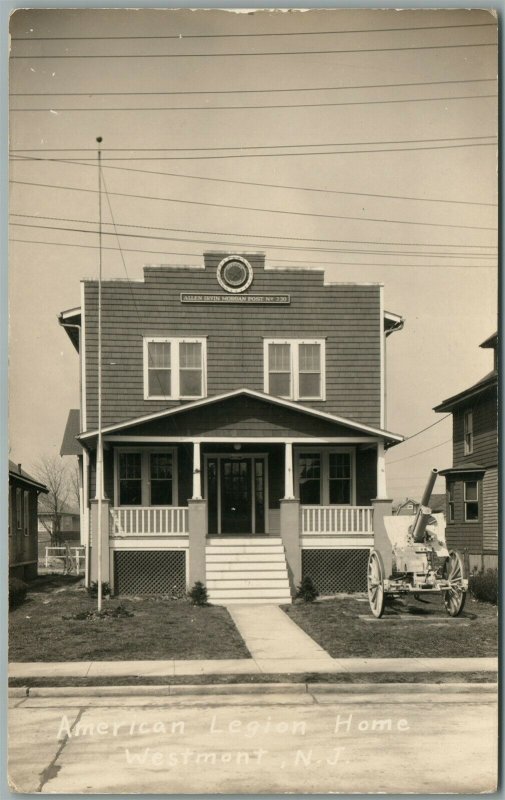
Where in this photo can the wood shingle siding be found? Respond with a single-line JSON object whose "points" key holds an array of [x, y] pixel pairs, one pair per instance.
{"points": [[485, 422], [461, 535], [346, 316], [490, 505]]}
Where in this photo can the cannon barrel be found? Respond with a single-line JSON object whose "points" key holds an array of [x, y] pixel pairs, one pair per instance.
{"points": [[421, 520]]}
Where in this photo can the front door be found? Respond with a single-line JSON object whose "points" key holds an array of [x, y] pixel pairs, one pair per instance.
{"points": [[236, 495]]}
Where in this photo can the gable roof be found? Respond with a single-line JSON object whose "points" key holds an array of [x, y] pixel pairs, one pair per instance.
{"points": [[391, 438], [70, 446], [491, 341], [15, 471], [485, 383]]}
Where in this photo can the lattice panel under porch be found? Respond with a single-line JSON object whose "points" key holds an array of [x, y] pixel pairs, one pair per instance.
{"points": [[150, 572], [335, 571]]}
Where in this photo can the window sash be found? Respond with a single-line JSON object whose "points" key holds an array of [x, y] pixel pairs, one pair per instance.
{"points": [[471, 504], [19, 510], [468, 431], [294, 368], [149, 474], [26, 512], [174, 368]]}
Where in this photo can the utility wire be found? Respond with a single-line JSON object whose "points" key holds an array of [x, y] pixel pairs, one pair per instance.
{"points": [[408, 438], [304, 264], [258, 107], [390, 463], [265, 210], [257, 183], [262, 54], [254, 146], [254, 91], [396, 254], [263, 236], [183, 36]]}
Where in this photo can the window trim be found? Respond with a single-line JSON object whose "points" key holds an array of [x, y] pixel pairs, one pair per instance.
{"points": [[450, 503], [324, 455], [294, 361], [26, 512], [174, 343], [145, 474], [468, 431], [19, 509], [465, 501]]}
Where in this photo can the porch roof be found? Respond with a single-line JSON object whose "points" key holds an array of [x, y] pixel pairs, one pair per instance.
{"points": [[356, 427]]}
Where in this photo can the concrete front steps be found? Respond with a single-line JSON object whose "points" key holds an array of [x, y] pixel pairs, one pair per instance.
{"points": [[247, 569]]}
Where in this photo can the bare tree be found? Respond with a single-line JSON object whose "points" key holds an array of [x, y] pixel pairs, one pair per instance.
{"points": [[52, 471], [74, 482]]}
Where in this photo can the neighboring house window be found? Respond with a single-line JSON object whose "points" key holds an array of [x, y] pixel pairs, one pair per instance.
{"points": [[471, 501], [468, 429], [294, 369], [146, 477], [130, 479], [450, 501], [19, 509], [26, 512], [324, 477], [174, 368]]}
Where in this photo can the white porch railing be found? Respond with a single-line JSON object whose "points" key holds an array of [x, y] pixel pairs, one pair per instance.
{"points": [[149, 521], [329, 520]]}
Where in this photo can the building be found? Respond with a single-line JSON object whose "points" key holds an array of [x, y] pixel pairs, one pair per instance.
{"points": [[472, 481], [23, 499], [243, 419], [68, 524], [438, 505]]}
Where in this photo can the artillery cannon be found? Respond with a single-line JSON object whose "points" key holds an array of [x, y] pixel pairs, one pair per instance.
{"points": [[413, 558]]}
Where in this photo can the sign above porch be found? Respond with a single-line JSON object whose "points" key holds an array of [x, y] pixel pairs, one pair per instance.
{"points": [[244, 299]]}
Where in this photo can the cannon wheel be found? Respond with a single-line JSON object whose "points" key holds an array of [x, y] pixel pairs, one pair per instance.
{"points": [[454, 598], [375, 583]]}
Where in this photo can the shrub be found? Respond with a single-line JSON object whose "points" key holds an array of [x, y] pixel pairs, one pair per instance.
{"points": [[307, 591], [484, 585], [93, 589], [198, 595], [17, 592]]}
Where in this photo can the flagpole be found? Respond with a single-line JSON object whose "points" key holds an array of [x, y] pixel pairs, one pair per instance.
{"points": [[99, 458]]}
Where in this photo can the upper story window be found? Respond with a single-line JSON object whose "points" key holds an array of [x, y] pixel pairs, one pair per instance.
{"points": [[471, 500], [295, 368], [468, 431], [19, 509], [174, 368]]}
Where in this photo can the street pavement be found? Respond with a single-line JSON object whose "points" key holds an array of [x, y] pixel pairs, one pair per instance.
{"points": [[301, 739]]}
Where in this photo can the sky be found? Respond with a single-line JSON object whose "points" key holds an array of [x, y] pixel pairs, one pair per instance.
{"points": [[358, 141]]}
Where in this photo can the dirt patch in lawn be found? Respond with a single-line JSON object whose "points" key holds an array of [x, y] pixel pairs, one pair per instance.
{"points": [[41, 630], [346, 629]]}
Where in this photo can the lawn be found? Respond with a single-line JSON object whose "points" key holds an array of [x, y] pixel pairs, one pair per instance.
{"points": [[345, 628], [159, 628]]}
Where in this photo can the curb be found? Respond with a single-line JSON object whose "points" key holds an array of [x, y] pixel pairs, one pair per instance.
{"points": [[179, 690]]}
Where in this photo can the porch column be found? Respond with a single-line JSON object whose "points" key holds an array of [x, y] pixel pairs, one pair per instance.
{"points": [[100, 549], [381, 472], [289, 493], [197, 474]]}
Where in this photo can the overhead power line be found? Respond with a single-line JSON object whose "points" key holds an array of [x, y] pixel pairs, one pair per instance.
{"points": [[276, 107], [229, 244], [408, 438], [393, 253], [183, 36], [257, 183], [254, 91], [419, 452], [270, 53], [256, 208], [305, 264], [253, 146]]}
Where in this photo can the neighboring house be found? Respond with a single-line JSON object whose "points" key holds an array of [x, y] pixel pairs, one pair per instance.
{"points": [[69, 527], [472, 481], [243, 419], [23, 498], [438, 505]]}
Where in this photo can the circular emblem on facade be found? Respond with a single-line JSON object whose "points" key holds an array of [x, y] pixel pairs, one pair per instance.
{"points": [[234, 274]]}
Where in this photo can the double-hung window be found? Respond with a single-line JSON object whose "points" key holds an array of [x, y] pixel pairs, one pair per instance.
{"points": [[471, 500], [19, 509], [468, 432], [324, 477], [450, 501], [146, 477], [295, 368], [340, 478], [26, 512], [174, 368]]}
